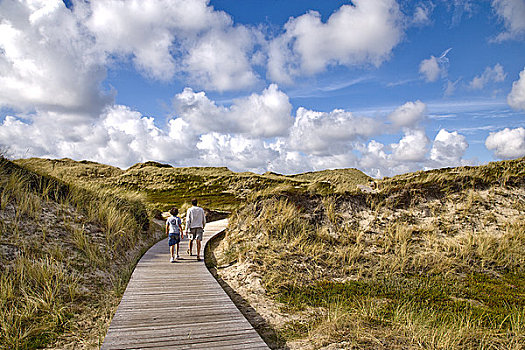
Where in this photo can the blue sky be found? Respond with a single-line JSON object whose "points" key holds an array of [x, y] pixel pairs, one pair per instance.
{"points": [[384, 86]]}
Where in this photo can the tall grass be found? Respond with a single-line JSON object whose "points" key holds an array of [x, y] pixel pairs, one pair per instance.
{"points": [[34, 306], [422, 269], [62, 234]]}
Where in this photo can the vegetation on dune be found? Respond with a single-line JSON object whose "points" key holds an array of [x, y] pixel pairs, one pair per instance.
{"points": [[66, 253], [433, 260], [216, 187], [71, 232]]}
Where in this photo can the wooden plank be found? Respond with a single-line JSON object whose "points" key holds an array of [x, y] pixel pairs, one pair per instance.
{"points": [[178, 306], [234, 341], [186, 330], [186, 338]]}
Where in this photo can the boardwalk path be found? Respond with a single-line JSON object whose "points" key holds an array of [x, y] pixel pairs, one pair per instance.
{"points": [[178, 306]]}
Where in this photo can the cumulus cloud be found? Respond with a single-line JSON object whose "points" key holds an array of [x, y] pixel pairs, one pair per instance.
{"points": [[235, 151], [412, 147], [516, 97], [409, 114], [448, 149], [434, 67], [495, 74], [120, 137], [166, 37], [53, 63], [54, 59], [321, 133], [375, 160], [507, 143], [202, 134], [379, 160], [264, 115], [219, 61], [411, 153], [512, 13], [40, 66], [362, 33]]}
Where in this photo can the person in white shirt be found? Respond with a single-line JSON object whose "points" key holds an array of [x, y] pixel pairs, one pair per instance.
{"points": [[195, 221]]}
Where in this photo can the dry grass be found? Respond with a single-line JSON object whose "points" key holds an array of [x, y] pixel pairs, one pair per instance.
{"points": [[65, 255], [216, 187], [34, 301], [420, 267]]}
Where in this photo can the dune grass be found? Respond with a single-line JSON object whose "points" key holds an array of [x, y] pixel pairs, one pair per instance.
{"points": [[66, 252], [430, 269], [216, 188]]}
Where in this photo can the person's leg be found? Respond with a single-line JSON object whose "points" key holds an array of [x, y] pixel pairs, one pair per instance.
{"points": [[172, 259], [198, 249], [190, 250], [177, 250]]}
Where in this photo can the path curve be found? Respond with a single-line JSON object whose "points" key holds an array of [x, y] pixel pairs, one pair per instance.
{"points": [[178, 306]]}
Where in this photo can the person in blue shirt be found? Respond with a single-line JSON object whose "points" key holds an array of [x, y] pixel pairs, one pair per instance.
{"points": [[174, 232]]}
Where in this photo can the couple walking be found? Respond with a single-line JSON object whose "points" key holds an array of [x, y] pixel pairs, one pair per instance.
{"points": [[195, 221]]}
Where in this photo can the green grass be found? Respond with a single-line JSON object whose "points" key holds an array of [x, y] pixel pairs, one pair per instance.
{"points": [[491, 309]]}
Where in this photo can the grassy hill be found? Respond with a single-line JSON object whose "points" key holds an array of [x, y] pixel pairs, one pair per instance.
{"points": [[216, 187], [71, 232], [66, 254], [432, 260], [427, 260]]}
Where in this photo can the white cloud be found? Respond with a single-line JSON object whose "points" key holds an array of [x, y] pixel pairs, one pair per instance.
{"points": [[218, 60], [434, 67], [120, 137], [512, 12], [363, 33], [321, 133], [378, 160], [448, 149], [495, 74], [375, 160], [450, 87], [43, 67], [516, 98], [235, 151], [408, 115], [412, 147], [460, 9], [265, 115], [167, 37], [203, 133], [430, 69], [507, 143], [422, 14]]}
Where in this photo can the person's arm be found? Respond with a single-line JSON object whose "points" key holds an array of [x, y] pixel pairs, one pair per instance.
{"points": [[167, 228], [203, 219], [188, 221], [180, 229]]}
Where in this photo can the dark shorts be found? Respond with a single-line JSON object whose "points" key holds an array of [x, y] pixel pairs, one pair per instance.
{"points": [[196, 233], [174, 239]]}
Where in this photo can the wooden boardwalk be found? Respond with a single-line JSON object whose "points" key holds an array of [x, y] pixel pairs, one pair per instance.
{"points": [[178, 306]]}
